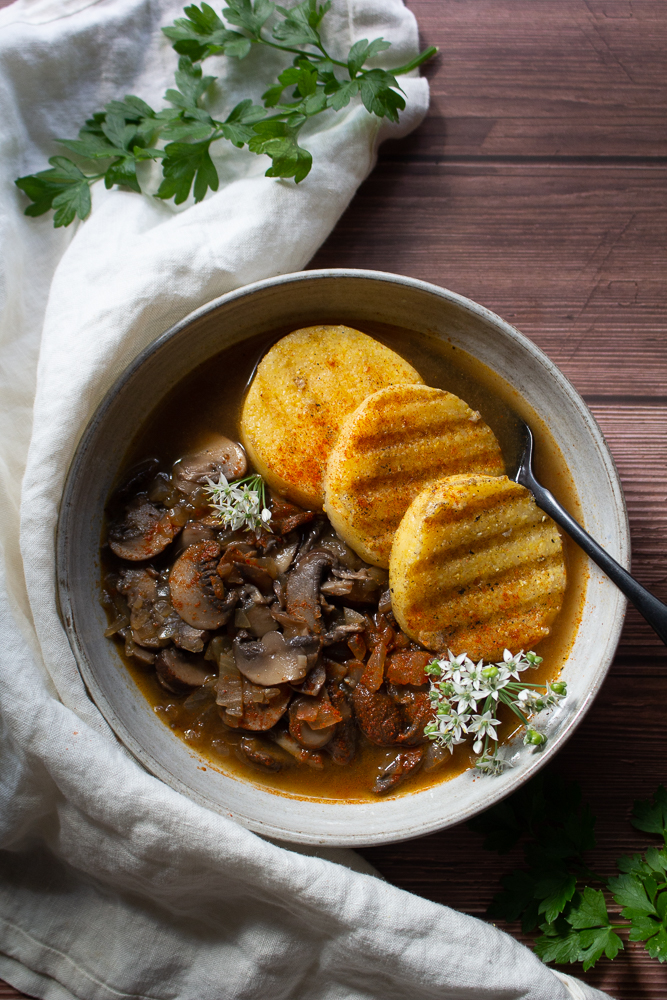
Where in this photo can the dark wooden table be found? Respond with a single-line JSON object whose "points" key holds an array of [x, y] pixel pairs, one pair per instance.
{"points": [[537, 186]]}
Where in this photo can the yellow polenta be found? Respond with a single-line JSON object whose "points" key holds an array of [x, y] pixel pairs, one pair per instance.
{"points": [[302, 391], [476, 567], [395, 443]]}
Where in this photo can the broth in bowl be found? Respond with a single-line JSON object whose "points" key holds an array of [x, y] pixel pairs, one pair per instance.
{"points": [[204, 669]]}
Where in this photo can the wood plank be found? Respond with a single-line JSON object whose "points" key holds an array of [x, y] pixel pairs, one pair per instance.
{"points": [[519, 78], [637, 437], [571, 255]]}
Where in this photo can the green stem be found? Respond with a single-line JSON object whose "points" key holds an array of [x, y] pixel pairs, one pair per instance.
{"points": [[300, 52], [507, 701], [417, 61]]}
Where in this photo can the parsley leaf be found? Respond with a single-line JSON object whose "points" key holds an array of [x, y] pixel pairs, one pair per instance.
{"points": [[301, 23], [588, 909], [379, 98], [634, 893], [64, 187], [191, 86], [128, 130], [362, 51], [184, 163], [558, 944], [248, 15], [237, 127], [201, 33], [279, 141], [652, 816], [517, 900], [554, 891]]}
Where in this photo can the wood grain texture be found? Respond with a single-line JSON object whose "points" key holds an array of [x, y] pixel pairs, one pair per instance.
{"points": [[537, 185]]}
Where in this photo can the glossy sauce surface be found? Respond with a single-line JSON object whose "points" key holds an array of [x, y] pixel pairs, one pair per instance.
{"points": [[208, 402]]}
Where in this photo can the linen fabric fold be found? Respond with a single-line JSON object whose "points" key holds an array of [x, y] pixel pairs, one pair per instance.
{"points": [[111, 884]]}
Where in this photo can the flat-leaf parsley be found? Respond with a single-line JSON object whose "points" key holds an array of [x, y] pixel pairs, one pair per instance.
{"points": [[179, 137]]}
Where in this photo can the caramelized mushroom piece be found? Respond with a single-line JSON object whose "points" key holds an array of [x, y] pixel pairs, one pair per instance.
{"points": [[139, 587], [401, 767], [417, 711], [255, 753], [221, 456], [197, 592], [303, 585], [259, 716], [178, 674], [378, 716], [142, 532], [343, 746], [271, 660], [312, 721]]}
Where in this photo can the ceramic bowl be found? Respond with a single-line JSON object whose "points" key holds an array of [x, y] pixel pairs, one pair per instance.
{"points": [[352, 296]]}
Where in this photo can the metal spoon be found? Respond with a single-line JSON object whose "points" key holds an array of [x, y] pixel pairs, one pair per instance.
{"points": [[653, 610]]}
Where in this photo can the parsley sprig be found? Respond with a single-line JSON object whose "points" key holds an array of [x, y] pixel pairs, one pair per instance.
{"points": [[179, 137], [559, 893]]}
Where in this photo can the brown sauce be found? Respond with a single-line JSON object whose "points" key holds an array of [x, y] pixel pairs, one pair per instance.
{"points": [[208, 402]]}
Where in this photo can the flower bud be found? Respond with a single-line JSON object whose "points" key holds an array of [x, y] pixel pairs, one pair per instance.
{"points": [[533, 738]]}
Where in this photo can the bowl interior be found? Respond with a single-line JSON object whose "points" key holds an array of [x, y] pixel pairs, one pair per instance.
{"points": [[351, 297]]}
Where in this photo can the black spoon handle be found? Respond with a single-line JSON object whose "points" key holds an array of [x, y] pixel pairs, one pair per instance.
{"points": [[653, 610]]}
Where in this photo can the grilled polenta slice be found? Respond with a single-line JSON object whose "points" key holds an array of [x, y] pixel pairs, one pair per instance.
{"points": [[395, 443], [476, 568], [302, 391]]}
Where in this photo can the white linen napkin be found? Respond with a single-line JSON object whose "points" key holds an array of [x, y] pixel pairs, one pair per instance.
{"points": [[111, 884]]}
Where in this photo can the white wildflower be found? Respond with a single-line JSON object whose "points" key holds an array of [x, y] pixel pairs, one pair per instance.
{"points": [[492, 763], [241, 504]]}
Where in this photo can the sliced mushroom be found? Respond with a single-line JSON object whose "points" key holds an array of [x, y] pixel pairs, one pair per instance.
{"points": [[314, 681], [260, 620], [147, 625], [270, 660], [343, 746], [417, 711], [259, 756], [303, 584], [178, 674], [286, 516], [435, 757], [312, 721], [197, 592], [221, 456], [190, 638], [309, 757], [258, 716], [142, 532], [401, 767], [196, 531]]}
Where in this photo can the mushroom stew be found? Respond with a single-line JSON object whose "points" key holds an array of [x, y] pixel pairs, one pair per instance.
{"points": [[273, 653]]}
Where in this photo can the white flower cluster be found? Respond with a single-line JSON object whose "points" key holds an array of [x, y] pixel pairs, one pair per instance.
{"points": [[459, 686], [241, 504]]}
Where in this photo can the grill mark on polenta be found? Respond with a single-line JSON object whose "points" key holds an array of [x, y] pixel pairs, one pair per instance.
{"points": [[450, 514], [378, 483], [477, 603], [472, 542], [473, 576], [368, 444], [523, 627]]}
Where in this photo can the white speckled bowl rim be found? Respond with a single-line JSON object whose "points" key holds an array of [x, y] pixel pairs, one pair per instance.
{"points": [[345, 296]]}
